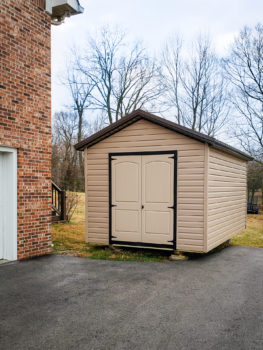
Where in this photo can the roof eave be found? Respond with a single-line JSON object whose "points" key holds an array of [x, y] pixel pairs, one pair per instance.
{"points": [[234, 152], [137, 115]]}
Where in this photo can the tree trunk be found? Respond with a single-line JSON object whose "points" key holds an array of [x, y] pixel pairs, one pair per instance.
{"points": [[80, 155]]}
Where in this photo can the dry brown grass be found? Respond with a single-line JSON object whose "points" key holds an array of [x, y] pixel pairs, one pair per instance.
{"points": [[69, 239], [252, 236], [79, 214]]}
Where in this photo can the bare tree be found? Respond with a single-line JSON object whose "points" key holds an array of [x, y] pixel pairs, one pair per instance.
{"points": [[244, 68], [73, 200], [255, 180], [96, 125], [65, 170], [80, 90], [124, 78], [195, 87], [171, 76]]}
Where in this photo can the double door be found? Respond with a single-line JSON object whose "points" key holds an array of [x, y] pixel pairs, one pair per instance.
{"points": [[142, 199]]}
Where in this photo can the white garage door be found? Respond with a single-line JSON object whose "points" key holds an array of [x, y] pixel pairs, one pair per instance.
{"points": [[8, 204], [143, 199]]}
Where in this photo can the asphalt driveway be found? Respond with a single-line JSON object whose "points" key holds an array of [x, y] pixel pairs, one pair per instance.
{"points": [[59, 302]]}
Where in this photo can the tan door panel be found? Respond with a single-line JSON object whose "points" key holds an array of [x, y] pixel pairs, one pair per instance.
{"points": [[157, 197], [126, 198]]}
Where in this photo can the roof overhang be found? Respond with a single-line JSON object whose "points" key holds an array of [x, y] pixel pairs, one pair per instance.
{"points": [[139, 114], [59, 9]]}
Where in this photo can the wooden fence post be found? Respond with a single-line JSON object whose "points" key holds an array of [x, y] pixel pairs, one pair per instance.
{"points": [[63, 216]]}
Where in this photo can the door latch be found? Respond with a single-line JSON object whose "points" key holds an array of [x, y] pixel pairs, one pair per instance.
{"points": [[142, 206]]}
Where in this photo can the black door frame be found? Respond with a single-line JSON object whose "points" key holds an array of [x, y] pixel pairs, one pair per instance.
{"points": [[141, 244]]}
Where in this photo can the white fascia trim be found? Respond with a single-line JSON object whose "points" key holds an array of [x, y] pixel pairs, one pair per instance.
{"points": [[72, 3], [49, 6]]}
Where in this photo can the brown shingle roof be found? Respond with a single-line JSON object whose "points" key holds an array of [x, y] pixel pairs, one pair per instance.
{"points": [[140, 114]]}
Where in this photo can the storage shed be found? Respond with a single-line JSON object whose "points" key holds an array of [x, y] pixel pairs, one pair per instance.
{"points": [[153, 183]]}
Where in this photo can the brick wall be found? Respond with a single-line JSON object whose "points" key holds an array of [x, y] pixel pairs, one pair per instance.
{"points": [[25, 116]]}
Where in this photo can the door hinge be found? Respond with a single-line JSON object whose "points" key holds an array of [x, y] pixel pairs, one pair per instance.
{"points": [[173, 157], [113, 205], [111, 158], [173, 241], [173, 207], [113, 237]]}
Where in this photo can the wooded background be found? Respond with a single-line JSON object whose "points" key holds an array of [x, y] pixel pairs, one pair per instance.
{"points": [[191, 86]]}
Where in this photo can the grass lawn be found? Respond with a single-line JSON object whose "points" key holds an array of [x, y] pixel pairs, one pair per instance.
{"points": [[253, 235], [69, 239]]}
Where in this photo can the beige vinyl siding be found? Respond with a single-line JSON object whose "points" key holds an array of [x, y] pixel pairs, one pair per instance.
{"points": [[227, 178], [139, 137]]}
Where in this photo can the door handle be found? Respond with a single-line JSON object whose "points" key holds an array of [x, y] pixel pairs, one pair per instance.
{"points": [[142, 206]]}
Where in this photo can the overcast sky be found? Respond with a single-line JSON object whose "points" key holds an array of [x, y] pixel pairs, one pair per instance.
{"points": [[152, 21]]}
